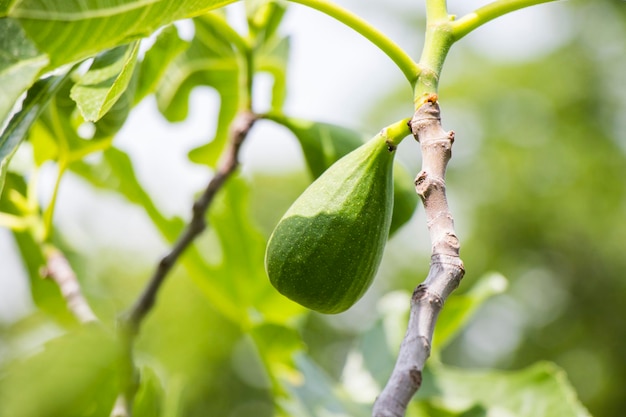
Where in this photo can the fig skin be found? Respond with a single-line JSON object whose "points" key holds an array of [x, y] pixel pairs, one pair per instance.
{"points": [[324, 143], [325, 251]]}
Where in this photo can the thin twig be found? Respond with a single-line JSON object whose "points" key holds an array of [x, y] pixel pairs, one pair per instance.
{"points": [[131, 321], [227, 165], [446, 268], [60, 271]]}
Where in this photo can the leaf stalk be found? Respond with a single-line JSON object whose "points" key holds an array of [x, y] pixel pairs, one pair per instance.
{"points": [[484, 14], [407, 65]]}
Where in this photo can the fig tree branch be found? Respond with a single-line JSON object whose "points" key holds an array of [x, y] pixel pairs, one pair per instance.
{"points": [[131, 321], [227, 165], [60, 271], [446, 267]]}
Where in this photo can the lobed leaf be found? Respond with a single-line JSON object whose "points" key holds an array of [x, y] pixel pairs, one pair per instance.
{"points": [[209, 61], [167, 46], [264, 17], [541, 390], [460, 308]]}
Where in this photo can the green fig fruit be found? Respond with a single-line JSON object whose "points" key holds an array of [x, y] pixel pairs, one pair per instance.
{"points": [[324, 143], [326, 249]]}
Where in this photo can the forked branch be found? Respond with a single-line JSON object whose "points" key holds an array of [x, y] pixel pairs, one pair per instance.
{"points": [[446, 268], [227, 165], [130, 322]]}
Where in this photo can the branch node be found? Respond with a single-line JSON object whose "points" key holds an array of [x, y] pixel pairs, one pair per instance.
{"points": [[416, 377]]}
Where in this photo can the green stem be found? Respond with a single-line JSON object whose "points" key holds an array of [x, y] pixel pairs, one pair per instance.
{"points": [[406, 64], [480, 16], [396, 132], [62, 162], [49, 213], [226, 30], [436, 10], [437, 43], [246, 80]]}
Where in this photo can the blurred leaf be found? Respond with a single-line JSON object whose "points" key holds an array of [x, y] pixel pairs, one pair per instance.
{"points": [[55, 135], [149, 397], [20, 64], [45, 293], [378, 357], [277, 346], [115, 172], [323, 144], [167, 46], [36, 100], [75, 375], [317, 395], [460, 308], [405, 198], [242, 271], [541, 390], [273, 58], [82, 29], [209, 61], [271, 51], [264, 17], [105, 81]]}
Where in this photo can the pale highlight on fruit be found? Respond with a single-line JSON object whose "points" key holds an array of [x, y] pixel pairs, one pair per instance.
{"points": [[324, 143]]}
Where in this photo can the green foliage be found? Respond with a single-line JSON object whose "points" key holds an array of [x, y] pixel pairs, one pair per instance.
{"points": [[20, 64], [84, 29], [75, 375], [17, 128], [541, 138], [538, 390]]}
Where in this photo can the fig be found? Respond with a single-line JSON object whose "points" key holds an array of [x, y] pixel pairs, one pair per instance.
{"points": [[324, 143], [326, 249]]}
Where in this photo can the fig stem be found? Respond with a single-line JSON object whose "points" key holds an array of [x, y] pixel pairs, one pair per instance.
{"points": [[396, 132]]}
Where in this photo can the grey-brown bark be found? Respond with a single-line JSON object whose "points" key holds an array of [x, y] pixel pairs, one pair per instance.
{"points": [[60, 271], [446, 268]]}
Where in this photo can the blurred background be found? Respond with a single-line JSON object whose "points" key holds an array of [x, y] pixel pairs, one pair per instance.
{"points": [[537, 185]]}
